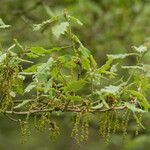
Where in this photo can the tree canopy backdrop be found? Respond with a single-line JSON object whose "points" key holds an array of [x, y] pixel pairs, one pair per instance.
{"points": [[43, 82]]}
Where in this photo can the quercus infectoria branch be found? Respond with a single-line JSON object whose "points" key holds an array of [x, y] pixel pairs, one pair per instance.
{"points": [[73, 109], [66, 108], [69, 109], [70, 81]]}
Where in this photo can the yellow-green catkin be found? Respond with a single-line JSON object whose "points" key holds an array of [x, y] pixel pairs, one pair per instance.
{"points": [[6, 89], [105, 125], [84, 128], [80, 130], [25, 130], [125, 120], [54, 130], [42, 123], [109, 126], [102, 125], [75, 130], [116, 122], [7, 80], [137, 123], [45, 123]]}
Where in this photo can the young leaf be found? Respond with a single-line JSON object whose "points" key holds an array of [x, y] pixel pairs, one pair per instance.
{"points": [[37, 27], [33, 68], [32, 55], [84, 51], [113, 89], [48, 85], [75, 20], [85, 63], [60, 29], [74, 98], [105, 67], [143, 101], [133, 108], [75, 86], [93, 62], [39, 50], [45, 66]]}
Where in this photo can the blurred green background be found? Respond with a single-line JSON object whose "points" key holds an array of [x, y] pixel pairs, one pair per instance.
{"points": [[110, 26]]}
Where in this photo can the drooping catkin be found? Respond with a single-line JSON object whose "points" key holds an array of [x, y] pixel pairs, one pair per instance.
{"points": [[139, 115], [25, 130], [125, 120], [80, 130]]}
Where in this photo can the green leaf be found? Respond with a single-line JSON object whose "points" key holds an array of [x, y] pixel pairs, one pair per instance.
{"points": [[84, 51], [70, 64], [85, 63], [76, 39], [105, 67], [33, 68], [75, 20], [45, 66], [93, 62], [111, 89], [39, 50], [75, 86], [74, 98], [64, 58], [32, 55], [114, 90], [37, 27], [48, 86], [143, 101], [133, 108], [60, 29]]}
